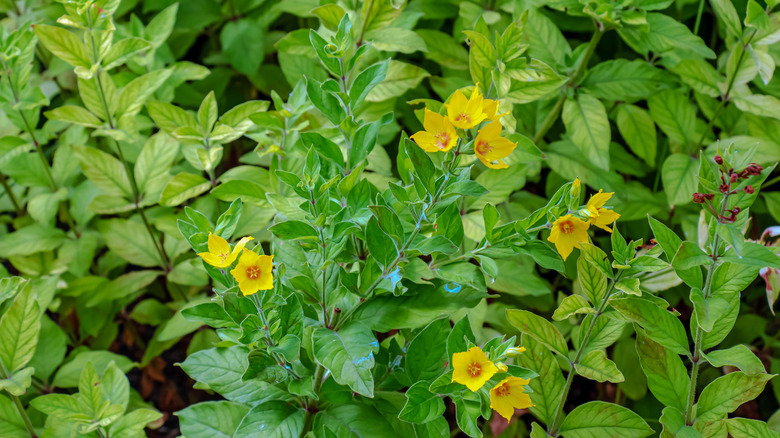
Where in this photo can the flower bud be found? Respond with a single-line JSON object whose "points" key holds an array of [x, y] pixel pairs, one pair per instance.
{"points": [[733, 178], [709, 196], [724, 188], [514, 351], [698, 198], [750, 190], [718, 160], [501, 367], [753, 169]]}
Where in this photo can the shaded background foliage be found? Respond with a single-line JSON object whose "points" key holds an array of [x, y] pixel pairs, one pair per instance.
{"points": [[650, 97]]}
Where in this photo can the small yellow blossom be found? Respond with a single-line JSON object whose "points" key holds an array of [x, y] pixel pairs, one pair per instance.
{"points": [[508, 395], [219, 254], [490, 147], [439, 134], [254, 272], [490, 108], [567, 233], [472, 368], [598, 216], [466, 114]]}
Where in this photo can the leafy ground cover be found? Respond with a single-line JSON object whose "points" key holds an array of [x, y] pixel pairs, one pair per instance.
{"points": [[383, 218]]}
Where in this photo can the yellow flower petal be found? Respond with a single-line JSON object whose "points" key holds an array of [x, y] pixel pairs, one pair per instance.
{"points": [[472, 368], [567, 233], [509, 395]]}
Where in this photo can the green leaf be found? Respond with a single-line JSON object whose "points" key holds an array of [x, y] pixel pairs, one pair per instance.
{"points": [[63, 44], [154, 161], [676, 117], [221, 370], [426, 354], [282, 420], [759, 104], [548, 387], [291, 230], [467, 410], [661, 325], [699, 75], [689, 255], [19, 328], [424, 170], [218, 419], [68, 375], [572, 305], [74, 114], [726, 393], [638, 130], [104, 171], [679, 177], [456, 341], [629, 286], [60, 406], [421, 405], [170, 118], [588, 128], [325, 101], [131, 241], [746, 428], [378, 14], [400, 78], [739, 356], [183, 187], [754, 255], [137, 91], [667, 377], [596, 366], [18, 382], [133, 424], [623, 80], [592, 281], [123, 49], [247, 191], [611, 421], [366, 81], [242, 44], [540, 329], [727, 13], [30, 240], [708, 311], [666, 34], [348, 354], [596, 257]]}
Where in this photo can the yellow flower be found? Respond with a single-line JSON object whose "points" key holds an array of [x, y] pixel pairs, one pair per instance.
{"points": [[472, 368], [598, 216], [220, 255], [514, 351], [254, 272], [508, 395], [490, 108], [439, 134], [501, 366], [567, 233], [466, 114], [490, 147]]}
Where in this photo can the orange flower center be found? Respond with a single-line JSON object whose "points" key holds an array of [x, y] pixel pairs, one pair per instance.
{"points": [[253, 272], [463, 116], [442, 139], [503, 390], [484, 148], [566, 227], [474, 369]]}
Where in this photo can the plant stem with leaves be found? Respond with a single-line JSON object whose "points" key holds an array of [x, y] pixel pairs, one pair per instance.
{"points": [[552, 430]]}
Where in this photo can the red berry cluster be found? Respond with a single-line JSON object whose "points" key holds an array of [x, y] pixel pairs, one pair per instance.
{"points": [[728, 177]]}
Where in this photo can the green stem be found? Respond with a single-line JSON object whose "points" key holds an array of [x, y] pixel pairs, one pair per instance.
{"points": [[31, 131], [319, 373], [697, 349], [698, 17], [11, 196], [368, 8], [558, 416], [552, 116], [4, 374]]}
